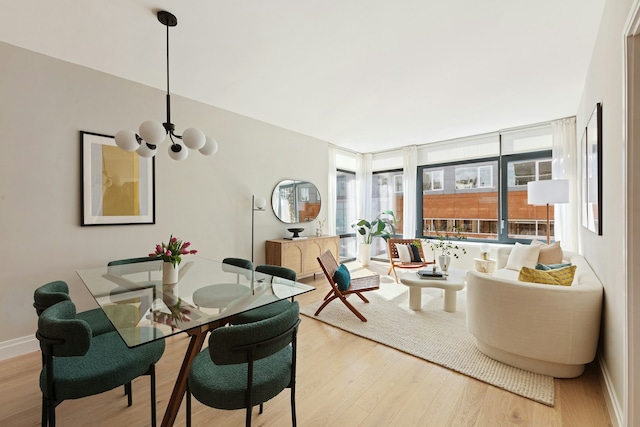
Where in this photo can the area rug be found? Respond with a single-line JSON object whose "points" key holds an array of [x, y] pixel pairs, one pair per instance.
{"points": [[431, 334]]}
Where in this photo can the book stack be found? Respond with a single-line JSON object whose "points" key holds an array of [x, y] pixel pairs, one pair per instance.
{"points": [[425, 273]]}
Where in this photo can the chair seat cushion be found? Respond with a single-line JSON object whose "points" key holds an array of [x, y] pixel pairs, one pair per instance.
{"points": [[108, 364], [225, 386], [261, 313]]}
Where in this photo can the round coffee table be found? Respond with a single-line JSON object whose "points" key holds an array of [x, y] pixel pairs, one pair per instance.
{"points": [[454, 282]]}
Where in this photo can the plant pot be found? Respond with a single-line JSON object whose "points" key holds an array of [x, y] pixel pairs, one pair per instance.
{"points": [[364, 253], [444, 261], [169, 273]]}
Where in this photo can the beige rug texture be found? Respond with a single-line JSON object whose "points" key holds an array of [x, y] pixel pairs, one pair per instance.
{"points": [[431, 334]]}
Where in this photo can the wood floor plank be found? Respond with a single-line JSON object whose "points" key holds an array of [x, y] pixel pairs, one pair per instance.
{"points": [[342, 380]]}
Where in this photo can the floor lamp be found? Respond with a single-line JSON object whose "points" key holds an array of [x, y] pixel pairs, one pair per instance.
{"points": [[257, 204], [548, 192]]}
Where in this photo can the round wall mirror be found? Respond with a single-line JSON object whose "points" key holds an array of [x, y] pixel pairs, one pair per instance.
{"points": [[295, 201]]}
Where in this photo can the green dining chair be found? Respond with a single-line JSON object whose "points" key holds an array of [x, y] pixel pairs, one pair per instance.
{"points": [[247, 365], [239, 266], [272, 309], [79, 364], [54, 292]]}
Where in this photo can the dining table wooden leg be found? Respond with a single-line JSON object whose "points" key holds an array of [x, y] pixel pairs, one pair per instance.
{"points": [[179, 389]]}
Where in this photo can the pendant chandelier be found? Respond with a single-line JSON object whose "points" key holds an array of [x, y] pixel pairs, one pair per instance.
{"points": [[151, 133]]}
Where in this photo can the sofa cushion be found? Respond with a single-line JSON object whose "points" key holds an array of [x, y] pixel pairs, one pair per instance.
{"points": [[561, 276], [522, 256], [550, 254], [415, 253], [540, 266], [403, 253]]}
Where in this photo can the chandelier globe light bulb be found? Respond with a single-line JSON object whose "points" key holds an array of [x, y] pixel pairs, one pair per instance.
{"points": [[126, 140]]}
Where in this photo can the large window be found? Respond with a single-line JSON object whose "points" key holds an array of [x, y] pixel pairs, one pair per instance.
{"points": [[524, 221], [387, 194], [478, 185], [467, 199], [346, 213]]}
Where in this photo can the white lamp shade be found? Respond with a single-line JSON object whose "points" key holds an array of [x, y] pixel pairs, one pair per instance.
{"points": [[145, 151], [194, 138], [152, 132], [552, 191], [259, 203], [210, 147], [178, 155], [126, 140]]}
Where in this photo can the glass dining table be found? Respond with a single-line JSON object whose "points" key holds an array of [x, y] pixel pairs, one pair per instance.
{"points": [[208, 295]]}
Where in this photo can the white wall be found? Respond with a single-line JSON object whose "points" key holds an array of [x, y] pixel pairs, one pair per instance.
{"points": [[45, 102], [604, 83]]}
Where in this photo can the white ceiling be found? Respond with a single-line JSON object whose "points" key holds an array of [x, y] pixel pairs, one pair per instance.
{"points": [[367, 75]]}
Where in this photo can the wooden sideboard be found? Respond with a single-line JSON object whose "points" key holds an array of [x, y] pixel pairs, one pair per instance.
{"points": [[300, 255]]}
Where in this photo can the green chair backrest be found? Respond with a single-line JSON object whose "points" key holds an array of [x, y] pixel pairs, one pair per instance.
{"points": [[276, 270], [271, 335], [59, 322], [51, 293]]}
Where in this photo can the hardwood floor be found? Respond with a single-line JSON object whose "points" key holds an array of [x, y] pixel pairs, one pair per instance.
{"points": [[343, 380]]}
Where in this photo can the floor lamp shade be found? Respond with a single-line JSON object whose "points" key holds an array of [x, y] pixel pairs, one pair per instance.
{"points": [[548, 192]]}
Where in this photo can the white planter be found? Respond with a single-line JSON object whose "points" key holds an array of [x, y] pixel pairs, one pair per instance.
{"points": [[364, 253], [444, 261], [169, 273]]}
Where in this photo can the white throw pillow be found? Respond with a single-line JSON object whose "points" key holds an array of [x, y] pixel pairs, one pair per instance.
{"points": [[403, 253], [523, 256]]}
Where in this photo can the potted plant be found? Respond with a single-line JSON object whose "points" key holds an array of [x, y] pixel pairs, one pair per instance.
{"points": [[384, 226], [446, 247]]}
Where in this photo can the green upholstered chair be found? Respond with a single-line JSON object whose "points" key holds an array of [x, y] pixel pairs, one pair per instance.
{"points": [[247, 365], [78, 364], [239, 266], [272, 309], [54, 292]]}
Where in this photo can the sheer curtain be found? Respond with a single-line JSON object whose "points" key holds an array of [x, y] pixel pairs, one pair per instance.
{"points": [[332, 193], [565, 165], [364, 181], [409, 175]]}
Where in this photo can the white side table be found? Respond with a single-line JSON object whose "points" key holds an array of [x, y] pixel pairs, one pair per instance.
{"points": [[455, 281], [485, 265]]}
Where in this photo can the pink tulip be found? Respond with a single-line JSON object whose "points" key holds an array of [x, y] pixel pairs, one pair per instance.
{"points": [[173, 240], [168, 253], [186, 245], [193, 251]]}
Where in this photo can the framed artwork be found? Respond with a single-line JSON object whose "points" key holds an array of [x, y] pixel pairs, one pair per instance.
{"points": [[592, 197], [118, 187]]}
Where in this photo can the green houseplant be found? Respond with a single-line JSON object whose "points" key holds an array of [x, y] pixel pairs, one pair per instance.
{"points": [[384, 226], [445, 245]]}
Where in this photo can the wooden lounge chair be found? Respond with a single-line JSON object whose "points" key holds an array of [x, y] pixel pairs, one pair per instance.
{"points": [[395, 260], [356, 286]]}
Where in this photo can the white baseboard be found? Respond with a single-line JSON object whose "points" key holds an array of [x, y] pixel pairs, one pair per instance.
{"points": [[18, 347], [614, 406]]}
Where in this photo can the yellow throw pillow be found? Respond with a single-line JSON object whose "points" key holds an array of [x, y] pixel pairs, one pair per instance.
{"points": [[560, 276]]}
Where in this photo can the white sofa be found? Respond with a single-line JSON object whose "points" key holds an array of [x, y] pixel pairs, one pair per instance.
{"points": [[547, 329]]}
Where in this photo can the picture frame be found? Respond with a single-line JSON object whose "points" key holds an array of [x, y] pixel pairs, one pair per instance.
{"points": [[117, 186], [592, 179]]}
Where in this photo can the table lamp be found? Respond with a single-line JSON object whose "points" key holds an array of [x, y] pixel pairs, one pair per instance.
{"points": [[548, 192]]}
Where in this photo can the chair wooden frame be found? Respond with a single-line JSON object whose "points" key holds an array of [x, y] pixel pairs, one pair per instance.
{"points": [[357, 286], [394, 259]]}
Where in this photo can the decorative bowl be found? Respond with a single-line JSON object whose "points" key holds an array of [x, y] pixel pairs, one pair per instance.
{"points": [[295, 231]]}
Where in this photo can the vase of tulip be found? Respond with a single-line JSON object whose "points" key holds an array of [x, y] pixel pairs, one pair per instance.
{"points": [[171, 255]]}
